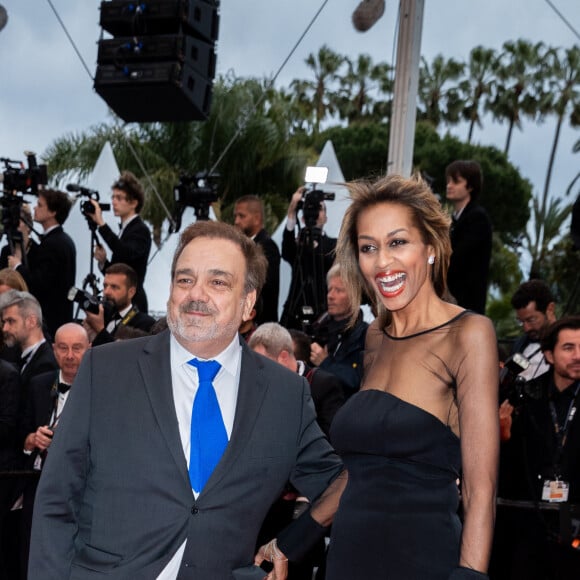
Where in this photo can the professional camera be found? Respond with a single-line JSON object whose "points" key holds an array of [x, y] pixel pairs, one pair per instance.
{"points": [[87, 208], [90, 302], [313, 197], [18, 178], [511, 384], [199, 192]]}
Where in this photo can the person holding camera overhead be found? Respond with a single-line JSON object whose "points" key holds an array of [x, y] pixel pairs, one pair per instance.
{"points": [[303, 259], [133, 243], [49, 267]]}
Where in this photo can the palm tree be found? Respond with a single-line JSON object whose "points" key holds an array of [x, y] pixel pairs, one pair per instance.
{"points": [[438, 94], [478, 86], [325, 65], [547, 225], [361, 79], [565, 89], [519, 91]]}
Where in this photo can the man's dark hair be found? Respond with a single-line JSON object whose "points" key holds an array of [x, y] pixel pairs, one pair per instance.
{"points": [[58, 202], [301, 344], [133, 189], [533, 291], [552, 333], [254, 203], [120, 268], [470, 171]]}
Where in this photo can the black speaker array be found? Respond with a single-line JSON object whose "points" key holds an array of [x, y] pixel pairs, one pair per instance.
{"points": [[160, 63]]}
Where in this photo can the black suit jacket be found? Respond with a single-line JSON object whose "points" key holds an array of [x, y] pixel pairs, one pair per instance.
{"points": [[9, 402], [328, 395], [471, 237], [50, 274], [132, 248], [272, 286], [115, 499], [41, 362]]}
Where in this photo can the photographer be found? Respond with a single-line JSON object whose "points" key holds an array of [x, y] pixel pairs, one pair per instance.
{"points": [[119, 290], [133, 243], [50, 266], [336, 348], [535, 311], [539, 465], [304, 261]]}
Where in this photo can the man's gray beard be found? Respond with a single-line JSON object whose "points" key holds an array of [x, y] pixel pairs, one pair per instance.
{"points": [[9, 341], [183, 331]]}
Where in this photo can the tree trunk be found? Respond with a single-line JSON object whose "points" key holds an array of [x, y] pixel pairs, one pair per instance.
{"points": [[551, 162]]}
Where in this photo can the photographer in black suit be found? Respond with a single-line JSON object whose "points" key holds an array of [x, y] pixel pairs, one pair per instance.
{"points": [[133, 243], [119, 290], [50, 266]]}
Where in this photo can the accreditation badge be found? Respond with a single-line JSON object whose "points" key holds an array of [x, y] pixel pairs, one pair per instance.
{"points": [[555, 490]]}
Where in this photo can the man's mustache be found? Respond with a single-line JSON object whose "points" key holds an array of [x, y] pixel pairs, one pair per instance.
{"points": [[195, 306]]}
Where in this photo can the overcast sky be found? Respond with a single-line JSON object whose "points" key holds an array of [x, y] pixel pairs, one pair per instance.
{"points": [[45, 92]]}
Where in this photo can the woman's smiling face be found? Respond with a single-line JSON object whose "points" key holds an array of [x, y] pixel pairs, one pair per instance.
{"points": [[392, 254]]}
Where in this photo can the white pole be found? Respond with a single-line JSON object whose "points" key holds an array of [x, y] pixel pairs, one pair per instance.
{"points": [[402, 135]]}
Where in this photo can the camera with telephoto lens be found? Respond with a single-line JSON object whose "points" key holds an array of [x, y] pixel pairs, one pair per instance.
{"points": [[511, 383], [88, 302]]}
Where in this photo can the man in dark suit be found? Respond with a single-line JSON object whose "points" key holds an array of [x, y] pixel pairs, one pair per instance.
{"points": [[22, 326], [310, 256], [119, 288], [249, 217], [116, 499], [47, 398], [471, 236], [133, 243], [9, 451], [50, 267]]}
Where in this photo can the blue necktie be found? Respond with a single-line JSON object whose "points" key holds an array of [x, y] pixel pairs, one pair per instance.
{"points": [[208, 432]]}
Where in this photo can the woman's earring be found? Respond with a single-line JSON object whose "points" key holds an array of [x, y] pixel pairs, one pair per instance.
{"points": [[431, 260]]}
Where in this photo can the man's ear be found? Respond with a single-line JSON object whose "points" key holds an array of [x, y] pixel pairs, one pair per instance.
{"points": [[549, 356], [249, 302]]}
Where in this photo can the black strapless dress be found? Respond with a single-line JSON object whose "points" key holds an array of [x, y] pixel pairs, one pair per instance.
{"points": [[397, 518]]}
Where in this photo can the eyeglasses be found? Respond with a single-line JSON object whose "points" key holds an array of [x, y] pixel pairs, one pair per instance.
{"points": [[529, 320], [119, 197]]}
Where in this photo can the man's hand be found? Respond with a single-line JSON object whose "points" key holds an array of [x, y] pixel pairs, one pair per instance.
{"points": [[296, 197], [95, 322], [505, 420], [317, 353], [13, 261], [40, 439], [97, 216], [100, 255]]}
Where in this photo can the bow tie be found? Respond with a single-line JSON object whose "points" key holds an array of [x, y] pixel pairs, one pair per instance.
{"points": [[63, 388]]}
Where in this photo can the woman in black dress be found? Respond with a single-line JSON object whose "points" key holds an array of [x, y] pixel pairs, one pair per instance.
{"points": [[421, 436]]}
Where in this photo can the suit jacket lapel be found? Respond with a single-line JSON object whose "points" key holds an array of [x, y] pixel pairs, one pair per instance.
{"points": [[154, 362], [250, 398]]}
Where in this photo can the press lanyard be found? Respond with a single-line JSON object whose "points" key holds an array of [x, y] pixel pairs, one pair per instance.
{"points": [[562, 431]]}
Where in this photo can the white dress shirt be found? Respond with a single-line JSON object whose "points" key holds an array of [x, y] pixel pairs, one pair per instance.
{"points": [[185, 383]]}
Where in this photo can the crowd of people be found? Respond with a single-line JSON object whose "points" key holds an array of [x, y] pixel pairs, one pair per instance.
{"points": [[222, 441]]}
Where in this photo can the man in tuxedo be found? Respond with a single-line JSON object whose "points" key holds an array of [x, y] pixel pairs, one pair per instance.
{"points": [[133, 243], [50, 266], [471, 235], [22, 326], [310, 263], [249, 217], [119, 289], [133, 488], [47, 398]]}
